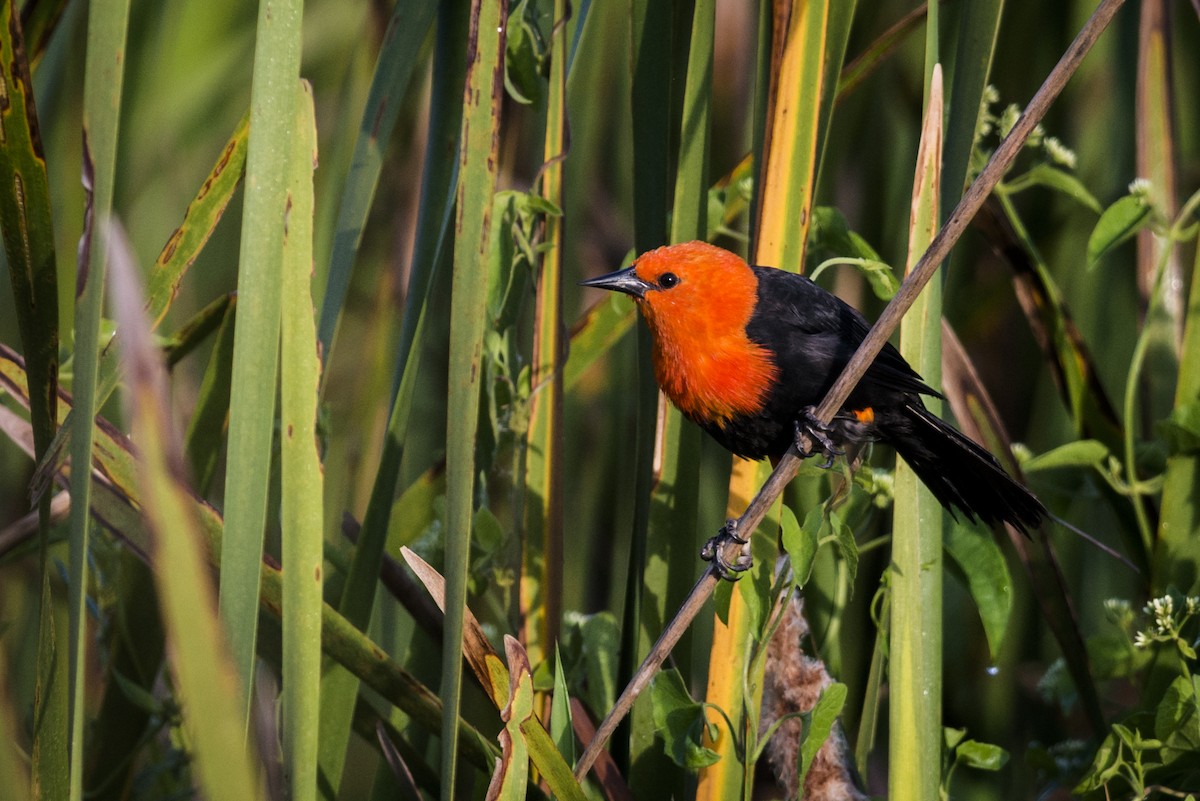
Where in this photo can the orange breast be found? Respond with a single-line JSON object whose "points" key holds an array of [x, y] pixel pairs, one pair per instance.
{"points": [[703, 359]]}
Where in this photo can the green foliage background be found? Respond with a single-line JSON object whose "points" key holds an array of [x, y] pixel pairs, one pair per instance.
{"points": [[531, 481]]}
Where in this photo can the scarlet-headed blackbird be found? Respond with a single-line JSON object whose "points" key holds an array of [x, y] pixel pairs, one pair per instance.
{"points": [[746, 352]]}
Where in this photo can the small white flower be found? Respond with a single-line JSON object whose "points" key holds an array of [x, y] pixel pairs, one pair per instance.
{"points": [[1036, 136], [1140, 187], [1163, 607], [1140, 640], [1008, 118], [991, 95], [1192, 604], [1060, 153]]}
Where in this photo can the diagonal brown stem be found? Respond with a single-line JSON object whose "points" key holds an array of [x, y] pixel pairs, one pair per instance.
{"points": [[786, 470]]}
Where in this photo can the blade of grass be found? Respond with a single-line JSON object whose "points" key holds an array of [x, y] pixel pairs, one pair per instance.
{"points": [[541, 583], [670, 539], [975, 45], [300, 501], [787, 173], [478, 164], [402, 42], [103, 82], [651, 39], [204, 676], [256, 344], [438, 188], [116, 506], [915, 652], [176, 257]]}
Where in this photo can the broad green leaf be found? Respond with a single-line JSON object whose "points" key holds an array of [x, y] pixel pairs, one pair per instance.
{"points": [[983, 567], [1177, 719], [818, 724], [1057, 179], [48, 756], [801, 542], [1081, 453], [879, 275], [522, 62], [846, 545], [1106, 766], [830, 237], [680, 721], [982, 756], [1119, 222]]}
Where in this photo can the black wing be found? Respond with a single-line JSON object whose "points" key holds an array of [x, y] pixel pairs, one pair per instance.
{"points": [[813, 334]]}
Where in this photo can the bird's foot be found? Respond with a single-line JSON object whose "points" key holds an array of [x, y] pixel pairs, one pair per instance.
{"points": [[714, 551], [818, 430]]}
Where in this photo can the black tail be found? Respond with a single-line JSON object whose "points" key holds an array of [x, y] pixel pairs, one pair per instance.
{"points": [[959, 473]]}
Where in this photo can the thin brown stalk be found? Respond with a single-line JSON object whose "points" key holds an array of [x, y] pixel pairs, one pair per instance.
{"points": [[786, 470]]}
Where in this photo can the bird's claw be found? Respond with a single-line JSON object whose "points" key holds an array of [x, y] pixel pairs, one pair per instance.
{"points": [[714, 551], [818, 430]]}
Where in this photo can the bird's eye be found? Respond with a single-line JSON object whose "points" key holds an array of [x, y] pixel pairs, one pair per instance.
{"points": [[668, 280]]}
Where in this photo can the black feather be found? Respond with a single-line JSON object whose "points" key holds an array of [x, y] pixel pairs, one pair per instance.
{"points": [[811, 335]]}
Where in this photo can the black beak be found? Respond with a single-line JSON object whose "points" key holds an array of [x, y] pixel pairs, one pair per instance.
{"points": [[626, 281]]}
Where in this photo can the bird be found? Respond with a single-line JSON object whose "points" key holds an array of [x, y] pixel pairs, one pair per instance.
{"points": [[746, 352]]}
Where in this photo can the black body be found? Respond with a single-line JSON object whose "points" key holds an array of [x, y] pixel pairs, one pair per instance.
{"points": [[812, 334]]}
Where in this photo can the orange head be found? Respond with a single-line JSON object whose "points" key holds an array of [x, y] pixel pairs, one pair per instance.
{"points": [[697, 299]]}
